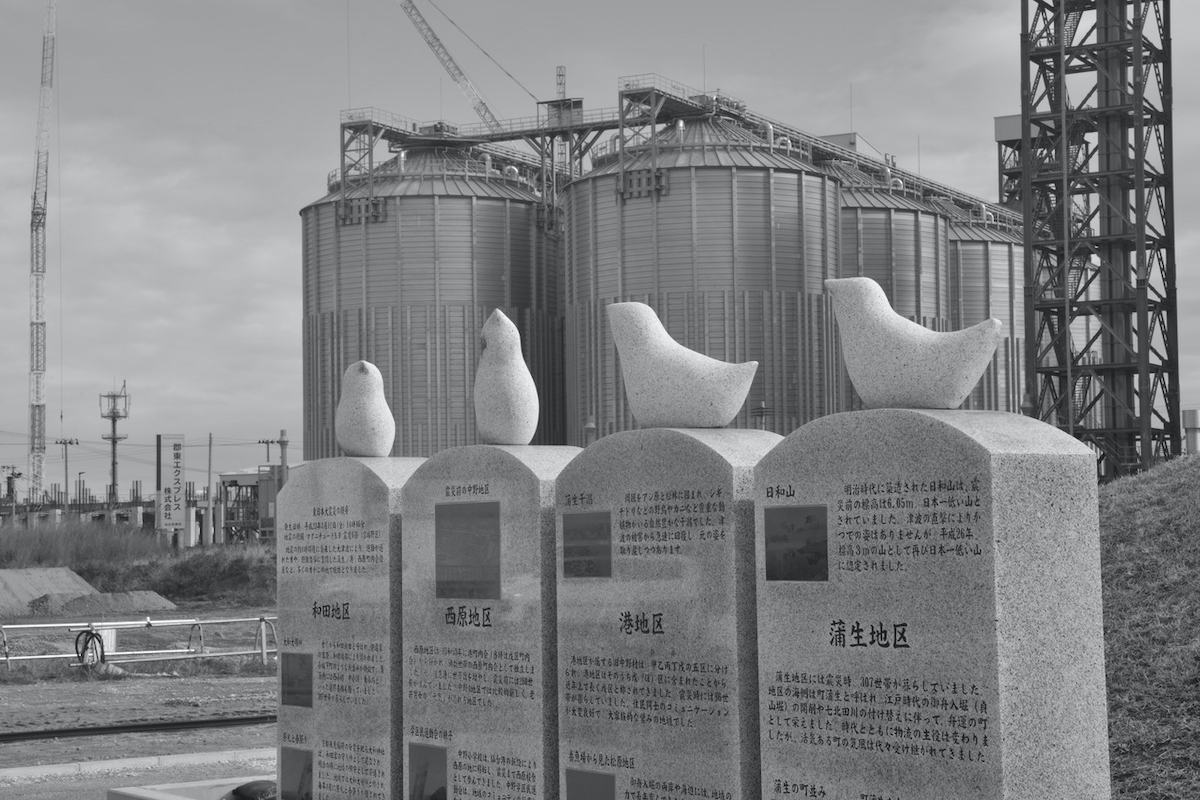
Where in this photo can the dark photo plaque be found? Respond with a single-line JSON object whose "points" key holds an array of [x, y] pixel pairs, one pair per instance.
{"points": [[797, 543], [587, 545], [467, 550], [427, 772], [296, 671], [295, 773], [586, 785]]}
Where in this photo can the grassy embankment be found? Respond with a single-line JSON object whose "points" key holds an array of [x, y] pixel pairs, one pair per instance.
{"points": [[1150, 556], [1150, 543]]}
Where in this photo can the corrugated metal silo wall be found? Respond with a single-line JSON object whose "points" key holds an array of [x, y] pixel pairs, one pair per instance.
{"points": [[988, 280], [435, 267], [733, 260], [905, 249]]}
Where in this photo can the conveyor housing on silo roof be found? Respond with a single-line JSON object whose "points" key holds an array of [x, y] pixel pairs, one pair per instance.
{"points": [[654, 99]]}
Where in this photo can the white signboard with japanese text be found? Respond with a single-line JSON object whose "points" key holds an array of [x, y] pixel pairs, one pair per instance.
{"points": [[172, 507]]}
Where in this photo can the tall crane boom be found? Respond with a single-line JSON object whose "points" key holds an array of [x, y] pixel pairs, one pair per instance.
{"points": [[460, 77], [37, 268]]}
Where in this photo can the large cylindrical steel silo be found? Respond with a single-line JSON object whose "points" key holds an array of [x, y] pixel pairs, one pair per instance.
{"points": [[729, 238], [406, 274], [986, 280]]}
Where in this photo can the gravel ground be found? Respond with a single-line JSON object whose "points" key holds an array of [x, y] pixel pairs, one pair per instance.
{"points": [[61, 704]]}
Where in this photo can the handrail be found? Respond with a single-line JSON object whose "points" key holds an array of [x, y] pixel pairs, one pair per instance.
{"points": [[89, 647]]}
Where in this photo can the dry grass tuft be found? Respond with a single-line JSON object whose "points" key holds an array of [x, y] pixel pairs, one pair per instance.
{"points": [[75, 543]]}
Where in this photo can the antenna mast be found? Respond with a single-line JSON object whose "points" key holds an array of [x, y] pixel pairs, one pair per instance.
{"points": [[37, 269]]}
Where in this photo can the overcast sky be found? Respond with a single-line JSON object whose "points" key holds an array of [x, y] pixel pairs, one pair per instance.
{"points": [[188, 134]]}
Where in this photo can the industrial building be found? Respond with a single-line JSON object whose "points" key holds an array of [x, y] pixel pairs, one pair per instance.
{"points": [[723, 220]]}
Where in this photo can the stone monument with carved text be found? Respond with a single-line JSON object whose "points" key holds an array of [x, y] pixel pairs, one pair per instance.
{"points": [[339, 651], [929, 610], [656, 626], [480, 685]]}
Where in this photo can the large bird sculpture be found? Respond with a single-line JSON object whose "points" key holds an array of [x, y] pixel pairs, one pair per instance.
{"points": [[669, 385], [896, 363], [362, 422], [506, 399]]}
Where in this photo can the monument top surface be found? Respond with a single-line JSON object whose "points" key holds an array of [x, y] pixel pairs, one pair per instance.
{"points": [[998, 432], [739, 447], [543, 461]]}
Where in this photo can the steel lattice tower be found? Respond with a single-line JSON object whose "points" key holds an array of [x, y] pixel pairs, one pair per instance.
{"points": [[1096, 186], [37, 269]]}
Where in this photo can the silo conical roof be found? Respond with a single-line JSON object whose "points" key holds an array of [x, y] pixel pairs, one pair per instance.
{"points": [[709, 142], [444, 172]]}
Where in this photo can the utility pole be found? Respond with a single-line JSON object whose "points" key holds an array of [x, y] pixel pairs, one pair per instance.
{"points": [[206, 533], [114, 406], [66, 468], [268, 443], [282, 441]]}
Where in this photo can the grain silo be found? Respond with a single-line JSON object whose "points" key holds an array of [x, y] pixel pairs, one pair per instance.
{"points": [[903, 244], [725, 221], [987, 275], [406, 277], [729, 235]]}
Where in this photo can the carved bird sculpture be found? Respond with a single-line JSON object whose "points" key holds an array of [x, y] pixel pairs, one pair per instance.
{"points": [[669, 385], [506, 399], [896, 363], [363, 423]]}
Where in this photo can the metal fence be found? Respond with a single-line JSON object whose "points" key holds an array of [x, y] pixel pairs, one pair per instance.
{"points": [[95, 642]]}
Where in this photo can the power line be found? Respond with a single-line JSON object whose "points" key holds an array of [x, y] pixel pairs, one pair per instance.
{"points": [[485, 52]]}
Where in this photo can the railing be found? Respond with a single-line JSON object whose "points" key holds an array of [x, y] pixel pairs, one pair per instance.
{"points": [[650, 80], [90, 647], [369, 114]]}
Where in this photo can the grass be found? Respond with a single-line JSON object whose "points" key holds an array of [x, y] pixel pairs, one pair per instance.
{"points": [[1150, 540], [119, 558], [232, 575], [72, 544]]}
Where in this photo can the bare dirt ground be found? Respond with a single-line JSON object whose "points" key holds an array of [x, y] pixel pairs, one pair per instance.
{"points": [[53, 705], [45, 705], [159, 691]]}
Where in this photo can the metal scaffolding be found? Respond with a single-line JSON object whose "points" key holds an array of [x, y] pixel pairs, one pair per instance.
{"points": [[1095, 163]]}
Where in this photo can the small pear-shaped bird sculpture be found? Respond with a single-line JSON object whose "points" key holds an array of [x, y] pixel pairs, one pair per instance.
{"points": [[896, 363], [363, 423], [669, 385], [506, 399]]}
